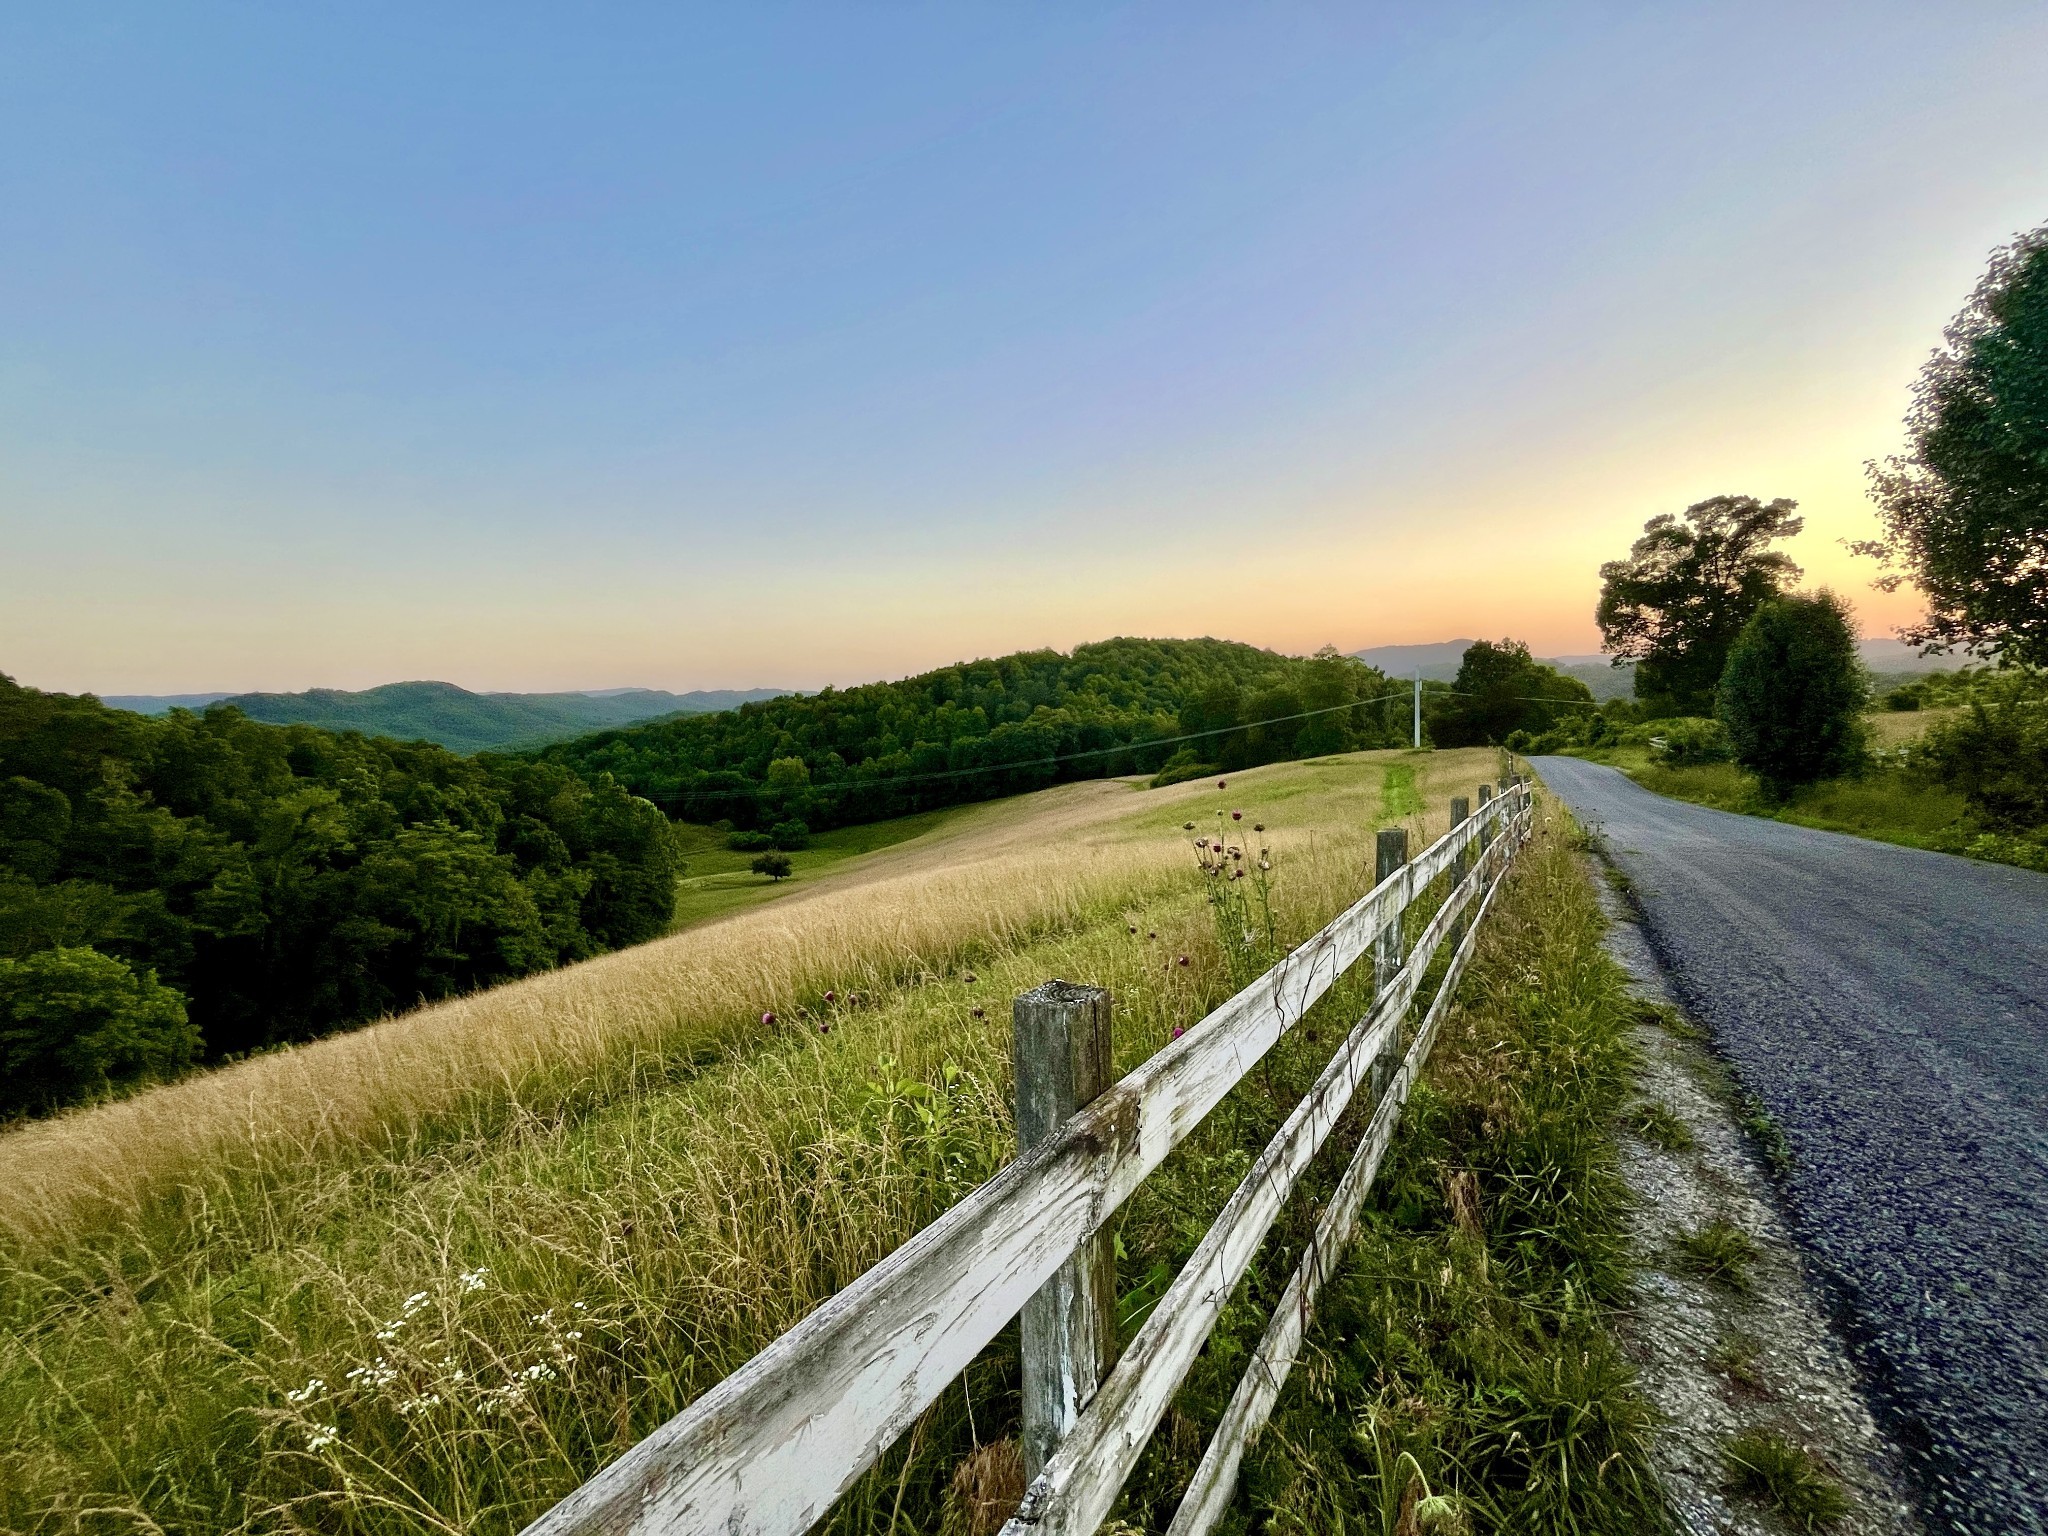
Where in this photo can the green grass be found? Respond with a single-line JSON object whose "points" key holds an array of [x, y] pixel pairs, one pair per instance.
{"points": [[1656, 1124], [1764, 1465], [718, 882], [1738, 1356], [1719, 1251], [494, 1305]]}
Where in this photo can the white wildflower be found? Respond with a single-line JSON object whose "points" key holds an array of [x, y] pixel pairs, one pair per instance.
{"points": [[321, 1436], [312, 1389], [475, 1279]]}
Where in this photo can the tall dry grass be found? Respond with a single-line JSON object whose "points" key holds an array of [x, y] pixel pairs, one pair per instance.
{"points": [[428, 1276]]}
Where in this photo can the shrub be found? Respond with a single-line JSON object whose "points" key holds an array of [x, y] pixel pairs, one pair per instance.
{"points": [[775, 866], [790, 836], [1181, 767], [749, 842], [1683, 743], [74, 1022], [1996, 755], [1793, 693]]}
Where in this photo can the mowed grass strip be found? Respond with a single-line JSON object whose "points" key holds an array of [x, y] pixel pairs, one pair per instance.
{"points": [[429, 1276]]}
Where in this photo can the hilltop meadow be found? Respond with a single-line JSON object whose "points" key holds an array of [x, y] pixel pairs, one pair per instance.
{"points": [[429, 1275]]}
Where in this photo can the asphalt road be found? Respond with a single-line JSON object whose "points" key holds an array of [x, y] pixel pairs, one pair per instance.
{"points": [[1890, 1009]]}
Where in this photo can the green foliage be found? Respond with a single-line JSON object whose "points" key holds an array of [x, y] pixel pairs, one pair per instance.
{"points": [[1686, 590], [1793, 693], [1765, 1465], [288, 881], [775, 866], [1965, 513], [1500, 690], [749, 842], [790, 836], [989, 728], [1996, 753], [74, 1022], [1688, 743]]}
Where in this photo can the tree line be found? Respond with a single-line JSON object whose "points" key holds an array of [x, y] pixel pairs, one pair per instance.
{"points": [[983, 729], [196, 886]]}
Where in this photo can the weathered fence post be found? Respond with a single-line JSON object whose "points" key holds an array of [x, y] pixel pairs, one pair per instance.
{"points": [[1461, 812], [1486, 831], [1389, 856], [1060, 1037]]}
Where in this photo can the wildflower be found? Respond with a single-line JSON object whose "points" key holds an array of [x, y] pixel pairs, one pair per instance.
{"points": [[1258, 826], [1134, 927], [321, 1436], [1220, 783], [767, 1018], [970, 977], [475, 1279], [824, 1026], [1152, 934], [1182, 961], [980, 1013], [1265, 864], [1187, 826], [312, 1389], [1237, 815], [831, 996], [1179, 1030]]}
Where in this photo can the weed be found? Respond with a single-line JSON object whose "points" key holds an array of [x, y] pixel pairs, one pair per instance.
{"points": [[1717, 1250], [1618, 881], [1656, 1124], [1736, 1356], [1672, 1021], [1770, 1138], [1765, 1465]]}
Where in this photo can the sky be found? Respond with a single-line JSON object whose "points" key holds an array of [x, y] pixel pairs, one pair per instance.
{"points": [[538, 347]]}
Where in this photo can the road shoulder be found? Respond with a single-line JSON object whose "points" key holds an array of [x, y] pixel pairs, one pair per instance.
{"points": [[1746, 1351]]}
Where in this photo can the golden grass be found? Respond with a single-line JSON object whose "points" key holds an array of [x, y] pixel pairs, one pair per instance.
{"points": [[623, 1146]]}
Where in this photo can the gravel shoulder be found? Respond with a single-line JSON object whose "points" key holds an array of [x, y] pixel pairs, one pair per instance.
{"points": [[1718, 1359], [1887, 1009]]}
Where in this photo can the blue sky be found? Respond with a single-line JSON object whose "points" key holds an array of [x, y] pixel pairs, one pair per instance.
{"points": [[554, 348]]}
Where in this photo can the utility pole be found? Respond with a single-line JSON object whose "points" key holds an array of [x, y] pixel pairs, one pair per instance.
{"points": [[1418, 708]]}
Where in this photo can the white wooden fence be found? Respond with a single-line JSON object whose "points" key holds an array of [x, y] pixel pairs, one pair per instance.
{"points": [[768, 1450]]}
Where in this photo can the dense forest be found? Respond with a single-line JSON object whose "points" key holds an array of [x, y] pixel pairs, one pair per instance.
{"points": [[201, 885], [1175, 708]]}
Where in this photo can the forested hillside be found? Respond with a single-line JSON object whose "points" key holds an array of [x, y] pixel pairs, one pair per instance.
{"points": [[470, 722], [201, 885], [998, 727]]}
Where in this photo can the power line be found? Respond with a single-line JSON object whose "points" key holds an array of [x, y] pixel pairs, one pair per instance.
{"points": [[937, 775]]}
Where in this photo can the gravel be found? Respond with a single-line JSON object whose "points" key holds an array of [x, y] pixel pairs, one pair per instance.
{"points": [[1889, 1009]]}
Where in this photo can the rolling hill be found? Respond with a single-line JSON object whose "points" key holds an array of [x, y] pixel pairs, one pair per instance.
{"points": [[454, 717]]}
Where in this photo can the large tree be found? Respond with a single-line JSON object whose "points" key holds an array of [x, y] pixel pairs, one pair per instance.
{"points": [[1966, 511], [1500, 689], [1793, 694], [1689, 584]]}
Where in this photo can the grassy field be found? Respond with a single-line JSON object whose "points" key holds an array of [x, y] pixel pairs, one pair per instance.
{"points": [[427, 1276], [719, 882]]}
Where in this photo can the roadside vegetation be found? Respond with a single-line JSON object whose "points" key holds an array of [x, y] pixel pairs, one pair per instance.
{"points": [[429, 1275]]}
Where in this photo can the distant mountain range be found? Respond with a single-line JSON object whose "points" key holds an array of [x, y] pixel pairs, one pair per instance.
{"points": [[454, 717], [1439, 660]]}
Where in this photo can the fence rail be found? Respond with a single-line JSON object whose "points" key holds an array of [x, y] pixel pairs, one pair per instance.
{"points": [[767, 1450]]}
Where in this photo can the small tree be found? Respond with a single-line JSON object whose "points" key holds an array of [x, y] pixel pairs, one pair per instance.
{"points": [[790, 836], [1793, 693], [1689, 584], [75, 1022], [1966, 511], [775, 866]]}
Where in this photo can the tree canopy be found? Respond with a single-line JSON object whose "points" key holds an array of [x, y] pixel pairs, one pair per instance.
{"points": [[988, 728], [1965, 512], [279, 882], [1688, 586], [1501, 689], [1794, 690]]}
